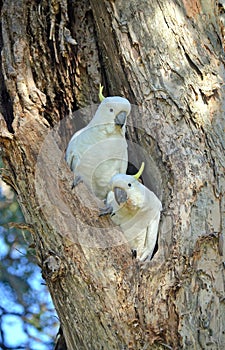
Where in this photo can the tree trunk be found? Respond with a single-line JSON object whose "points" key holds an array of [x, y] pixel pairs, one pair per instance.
{"points": [[167, 58]]}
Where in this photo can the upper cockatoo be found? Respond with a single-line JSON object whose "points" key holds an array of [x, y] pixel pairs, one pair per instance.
{"points": [[136, 210], [99, 151]]}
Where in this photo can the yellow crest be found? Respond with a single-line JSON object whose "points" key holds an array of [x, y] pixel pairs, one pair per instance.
{"points": [[100, 95], [140, 171]]}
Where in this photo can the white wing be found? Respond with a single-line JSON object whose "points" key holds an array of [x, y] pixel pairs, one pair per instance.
{"points": [[72, 154], [150, 238]]}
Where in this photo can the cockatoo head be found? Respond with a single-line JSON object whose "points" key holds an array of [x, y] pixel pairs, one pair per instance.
{"points": [[114, 109], [128, 190]]}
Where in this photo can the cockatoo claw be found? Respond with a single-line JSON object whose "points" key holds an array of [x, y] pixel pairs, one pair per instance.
{"points": [[105, 211], [134, 253]]}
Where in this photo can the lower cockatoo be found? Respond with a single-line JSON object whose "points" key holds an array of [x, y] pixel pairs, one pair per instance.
{"points": [[99, 151], [136, 210]]}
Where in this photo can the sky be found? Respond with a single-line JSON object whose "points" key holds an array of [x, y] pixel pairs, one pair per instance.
{"points": [[25, 304]]}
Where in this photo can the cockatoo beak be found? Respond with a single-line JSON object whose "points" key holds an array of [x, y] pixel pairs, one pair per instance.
{"points": [[120, 195], [120, 118]]}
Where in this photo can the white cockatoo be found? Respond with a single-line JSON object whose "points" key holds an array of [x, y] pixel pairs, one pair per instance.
{"points": [[136, 210], [99, 151]]}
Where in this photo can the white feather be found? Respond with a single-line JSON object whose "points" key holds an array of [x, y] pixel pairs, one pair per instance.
{"points": [[138, 217], [99, 151]]}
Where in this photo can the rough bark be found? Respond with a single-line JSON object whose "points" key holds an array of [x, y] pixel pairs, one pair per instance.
{"points": [[167, 58]]}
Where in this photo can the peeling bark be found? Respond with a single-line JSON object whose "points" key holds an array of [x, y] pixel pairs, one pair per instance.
{"points": [[167, 58]]}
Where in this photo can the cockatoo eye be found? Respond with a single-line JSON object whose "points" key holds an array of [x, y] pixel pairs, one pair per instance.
{"points": [[111, 109], [129, 185]]}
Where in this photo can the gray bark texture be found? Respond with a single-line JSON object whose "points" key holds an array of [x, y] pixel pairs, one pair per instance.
{"points": [[167, 58]]}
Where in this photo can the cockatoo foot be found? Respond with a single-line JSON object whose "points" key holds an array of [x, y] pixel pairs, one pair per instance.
{"points": [[134, 253], [105, 211]]}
